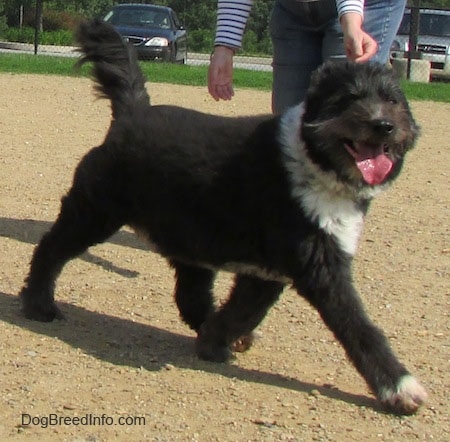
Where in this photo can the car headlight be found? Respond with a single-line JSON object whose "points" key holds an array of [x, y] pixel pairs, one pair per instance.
{"points": [[157, 41], [395, 46], [400, 45]]}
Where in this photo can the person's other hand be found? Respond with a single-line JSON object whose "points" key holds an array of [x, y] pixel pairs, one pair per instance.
{"points": [[220, 73], [359, 46]]}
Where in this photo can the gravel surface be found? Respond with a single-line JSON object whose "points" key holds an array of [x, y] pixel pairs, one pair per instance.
{"points": [[122, 367]]}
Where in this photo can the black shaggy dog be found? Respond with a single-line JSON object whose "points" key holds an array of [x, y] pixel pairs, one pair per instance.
{"points": [[276, 200]]}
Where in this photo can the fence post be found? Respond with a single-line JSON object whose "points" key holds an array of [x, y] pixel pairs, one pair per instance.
{"points": [[413, 54], [21, 17], [37, 25]]}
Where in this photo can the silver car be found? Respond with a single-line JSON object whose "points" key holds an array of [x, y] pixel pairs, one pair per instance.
{"points": [[433, 39]]}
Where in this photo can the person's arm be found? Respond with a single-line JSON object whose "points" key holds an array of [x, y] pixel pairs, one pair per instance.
{"points": [[359, 46], [232, 16], [346, 6]]}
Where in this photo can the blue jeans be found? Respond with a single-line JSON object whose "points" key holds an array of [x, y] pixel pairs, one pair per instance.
{"points": [[309, 33]]}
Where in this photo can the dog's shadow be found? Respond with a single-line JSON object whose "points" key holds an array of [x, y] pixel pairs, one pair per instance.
{"points": [[31, 231], [124, 342]]}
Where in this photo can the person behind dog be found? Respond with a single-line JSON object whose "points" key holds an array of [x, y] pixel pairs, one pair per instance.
{"points": [[304, 34]]}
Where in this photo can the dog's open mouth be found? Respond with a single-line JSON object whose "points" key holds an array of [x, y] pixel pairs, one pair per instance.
{"points": [[371, 160]]}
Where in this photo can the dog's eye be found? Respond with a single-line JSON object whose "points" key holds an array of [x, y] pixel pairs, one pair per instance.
{"points": [[354, 96], [392, 101]]}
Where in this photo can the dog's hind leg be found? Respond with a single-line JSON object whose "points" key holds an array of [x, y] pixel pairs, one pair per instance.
{"points": [[193, 293], [250, 299], [77, 228]]}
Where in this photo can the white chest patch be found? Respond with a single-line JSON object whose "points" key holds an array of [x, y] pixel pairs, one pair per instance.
{"points": [[337, 217], [323, 198]]}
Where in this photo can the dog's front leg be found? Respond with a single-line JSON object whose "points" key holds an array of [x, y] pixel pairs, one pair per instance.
{"points": [[193, 293], [230, 327], [366, 346]]}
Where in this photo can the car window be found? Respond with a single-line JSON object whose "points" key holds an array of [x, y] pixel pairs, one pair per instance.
{"points": [[429, 24], [161, 20], [139, 18], [175, 20]]}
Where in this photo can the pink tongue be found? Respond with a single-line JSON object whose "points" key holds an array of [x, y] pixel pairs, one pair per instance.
{"points": [[375, 170]]}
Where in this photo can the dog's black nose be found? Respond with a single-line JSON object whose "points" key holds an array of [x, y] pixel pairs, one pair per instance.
{"points": [[383, 127]]}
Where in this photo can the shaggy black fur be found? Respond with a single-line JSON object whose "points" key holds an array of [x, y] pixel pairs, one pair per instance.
{"points": [[276, 200]]}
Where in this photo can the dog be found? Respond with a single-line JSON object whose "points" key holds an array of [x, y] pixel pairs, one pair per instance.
{"points": [[277, 200]]}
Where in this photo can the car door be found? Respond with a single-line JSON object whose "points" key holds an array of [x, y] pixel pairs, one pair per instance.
{"points": [[181, 37]]}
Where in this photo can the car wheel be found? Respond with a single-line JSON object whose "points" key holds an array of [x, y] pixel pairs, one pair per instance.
{"points": [[173, 55], [183, 60]]}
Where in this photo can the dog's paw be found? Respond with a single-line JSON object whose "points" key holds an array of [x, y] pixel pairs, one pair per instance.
{"points": [[213, 353], [243, 343], [406, 398], [45, 312], [209, 350]]}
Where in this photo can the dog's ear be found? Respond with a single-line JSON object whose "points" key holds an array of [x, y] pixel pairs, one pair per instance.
{"points": [[323, 71], [324, 82], [330, 77]]}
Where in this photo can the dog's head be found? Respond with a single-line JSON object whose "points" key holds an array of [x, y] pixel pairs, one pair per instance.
{"points": [[357, 123]]}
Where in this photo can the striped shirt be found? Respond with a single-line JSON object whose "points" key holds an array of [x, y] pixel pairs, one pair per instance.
{"points": [[232, 16]]}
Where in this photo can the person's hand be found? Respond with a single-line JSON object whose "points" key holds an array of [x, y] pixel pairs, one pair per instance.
{"points": [[220, 73], [359, 46]]}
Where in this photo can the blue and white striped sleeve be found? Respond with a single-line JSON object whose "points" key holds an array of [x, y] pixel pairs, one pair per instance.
{"points": [[345, 6], [232, 16]]}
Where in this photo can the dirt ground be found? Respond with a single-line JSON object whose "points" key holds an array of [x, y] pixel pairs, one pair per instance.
{"points": [[123, 363]]}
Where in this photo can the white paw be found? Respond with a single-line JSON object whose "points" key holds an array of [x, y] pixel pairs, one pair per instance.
{"points": [[406, 398]]}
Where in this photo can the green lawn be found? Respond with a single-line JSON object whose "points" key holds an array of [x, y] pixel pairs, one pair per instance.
{"points": [[187, 75]]}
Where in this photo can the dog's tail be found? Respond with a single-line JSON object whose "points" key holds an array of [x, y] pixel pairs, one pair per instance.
{"points": [[116, 71]]}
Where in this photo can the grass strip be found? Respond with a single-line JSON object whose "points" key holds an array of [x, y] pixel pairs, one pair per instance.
{"points": [[188, 75]]}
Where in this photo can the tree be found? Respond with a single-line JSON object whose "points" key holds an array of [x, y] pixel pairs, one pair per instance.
{"points": [[259, 18], [39, 9], [38, 23], [12, 10], [89, 8], [443, 4], [2, 17]]}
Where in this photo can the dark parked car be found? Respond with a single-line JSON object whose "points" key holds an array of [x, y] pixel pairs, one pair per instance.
{"points": [[155, 31]]}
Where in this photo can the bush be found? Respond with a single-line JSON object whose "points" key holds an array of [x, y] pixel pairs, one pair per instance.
{"points": [[60, 38], [26, 35], [23, 35], [201, 40], [251, 45], [61, 20], [3, 27]]}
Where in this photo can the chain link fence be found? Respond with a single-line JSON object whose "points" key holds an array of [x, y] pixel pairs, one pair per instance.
{"points": [[420, 52]]}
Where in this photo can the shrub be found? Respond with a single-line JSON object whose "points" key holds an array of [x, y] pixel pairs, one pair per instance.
{"points": [[251, 45], [61, 20], [22, 35], [26, 35], [60, 38], [3, 27], [201, 40]]}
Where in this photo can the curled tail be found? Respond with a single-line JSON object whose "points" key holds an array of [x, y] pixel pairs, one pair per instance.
{"points": [[116, 71]]}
